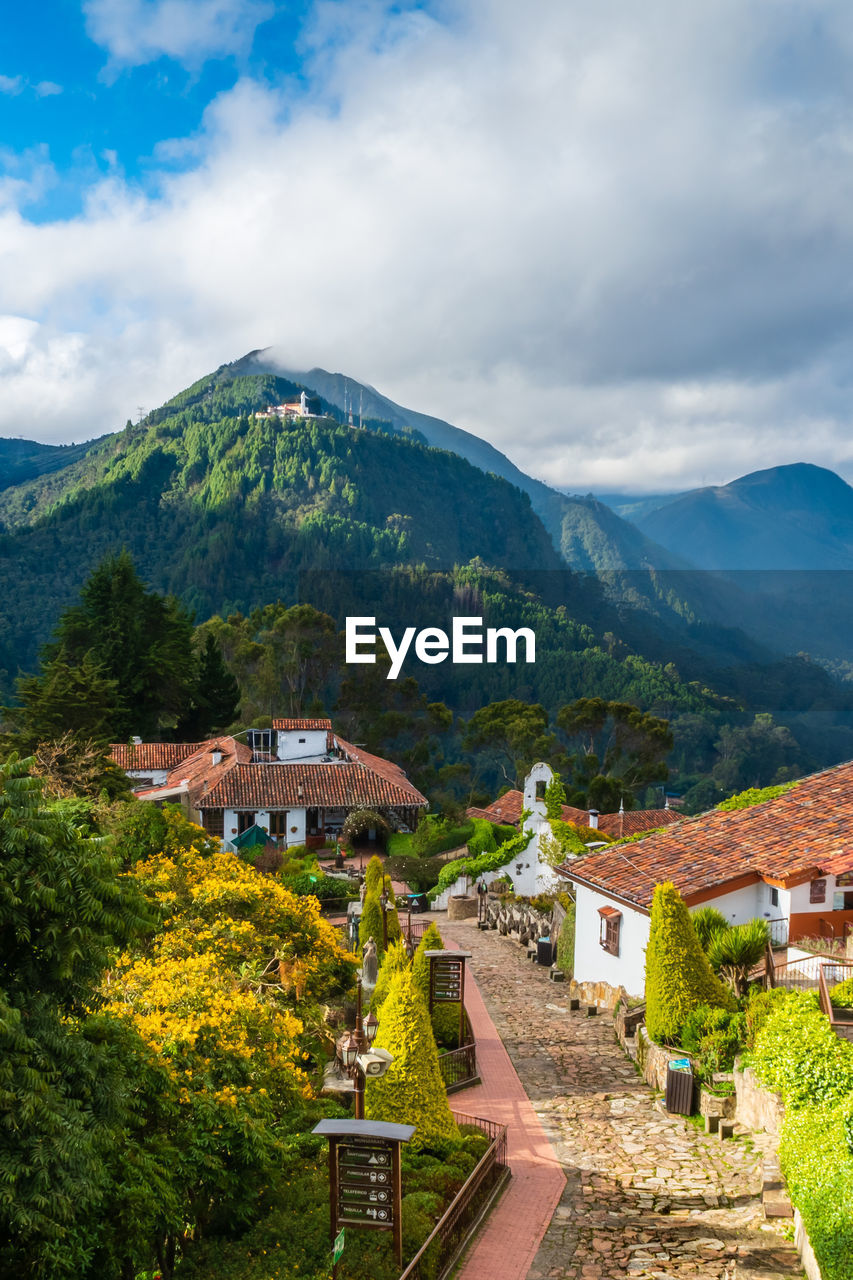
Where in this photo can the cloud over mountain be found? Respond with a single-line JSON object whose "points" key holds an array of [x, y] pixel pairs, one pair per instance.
{"points": [[622, 235]]}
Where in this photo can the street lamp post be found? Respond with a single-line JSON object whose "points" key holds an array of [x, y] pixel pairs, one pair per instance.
{"points": [[357, 1043]]}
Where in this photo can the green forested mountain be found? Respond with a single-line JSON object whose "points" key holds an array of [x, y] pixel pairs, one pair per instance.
{"points": [[22, 460], [231, 512], [225, 510]]}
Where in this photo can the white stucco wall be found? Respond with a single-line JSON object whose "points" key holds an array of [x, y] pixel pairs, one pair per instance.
{"points": [[743, 904], [592, 962], [295, 818], [298, 744], [158, 776]]}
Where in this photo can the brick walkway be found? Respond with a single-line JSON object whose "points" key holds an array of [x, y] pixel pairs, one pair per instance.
{"points": [[647, 1194], [502, 1251]]}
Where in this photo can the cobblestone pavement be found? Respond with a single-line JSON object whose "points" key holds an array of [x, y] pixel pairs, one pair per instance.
{"points": [[647, 1194]]}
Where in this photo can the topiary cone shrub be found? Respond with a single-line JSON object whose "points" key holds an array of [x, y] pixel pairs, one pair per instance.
{"points": [[445, 1017], [412, 1090], [373, 875], [678, 974], [370, 924], [395, 961]]}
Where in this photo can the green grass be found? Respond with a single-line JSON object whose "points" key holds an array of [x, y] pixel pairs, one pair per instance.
{"points": [[400, 844]]}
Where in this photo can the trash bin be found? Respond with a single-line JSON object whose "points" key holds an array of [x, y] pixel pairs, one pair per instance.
{"points": [[679, 1087], [544, 952], [418, 902]]}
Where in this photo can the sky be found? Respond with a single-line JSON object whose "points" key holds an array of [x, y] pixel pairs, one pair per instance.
{"points": [[615, 240]]}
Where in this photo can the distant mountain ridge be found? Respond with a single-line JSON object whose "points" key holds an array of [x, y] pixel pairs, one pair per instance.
{"points": [[793, 517], [582, 530]]}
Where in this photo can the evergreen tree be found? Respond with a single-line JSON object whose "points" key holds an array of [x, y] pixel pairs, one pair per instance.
{"points": [[373, 875], [80, 698], [412, 1090], [215, 695], [394, 962], [678, 974], [139, 639]]}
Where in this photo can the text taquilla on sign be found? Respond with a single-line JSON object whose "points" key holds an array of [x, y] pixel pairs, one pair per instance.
{"points": [[468, 642]]}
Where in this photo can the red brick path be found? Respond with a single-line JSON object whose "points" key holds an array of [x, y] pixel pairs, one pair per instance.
{"points": [[506, 1247]]}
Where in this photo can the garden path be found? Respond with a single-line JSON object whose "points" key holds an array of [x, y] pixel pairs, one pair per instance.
{"points": [[647, 1194]]}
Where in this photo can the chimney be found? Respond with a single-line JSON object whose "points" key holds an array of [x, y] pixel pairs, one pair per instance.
{"points": [[216, 756], [137, 742], [666, 802], [593, 819]]}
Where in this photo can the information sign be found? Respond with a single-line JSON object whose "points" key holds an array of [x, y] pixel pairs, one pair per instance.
{"points": [[365, 1188], [364, 1181]]}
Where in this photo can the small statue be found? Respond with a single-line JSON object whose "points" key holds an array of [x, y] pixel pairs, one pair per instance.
{"points": [[369, 963], [362, 888]]}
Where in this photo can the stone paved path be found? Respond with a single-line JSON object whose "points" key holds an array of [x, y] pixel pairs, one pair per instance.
{"points": [[647, 1194]]}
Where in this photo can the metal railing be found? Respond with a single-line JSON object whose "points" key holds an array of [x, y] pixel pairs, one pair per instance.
{"points": [[438, 1254], [778, 932], [840, 1019], [796, 975], [459, 1066]]}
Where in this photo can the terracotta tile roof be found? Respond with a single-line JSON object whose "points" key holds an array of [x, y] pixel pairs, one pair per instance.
{"points": [[199, 771], [302, 724], [150, 755], [340, 784], [804, 833], [385, 768], [507, 808]]}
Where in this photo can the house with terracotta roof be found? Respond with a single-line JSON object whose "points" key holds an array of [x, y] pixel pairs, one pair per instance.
{"points": [[298, 781], [787, 860], [627, 822]]}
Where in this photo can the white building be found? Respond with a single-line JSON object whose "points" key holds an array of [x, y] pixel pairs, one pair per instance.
{"points": [[788, 860], [298, 781]]}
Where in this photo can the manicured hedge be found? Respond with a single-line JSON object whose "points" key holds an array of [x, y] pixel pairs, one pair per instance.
{"points": [[797, 1053]]}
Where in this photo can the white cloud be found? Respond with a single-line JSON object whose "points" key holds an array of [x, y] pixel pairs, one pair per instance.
{"points": [[617, 241], [139, 31], [13, 85]]}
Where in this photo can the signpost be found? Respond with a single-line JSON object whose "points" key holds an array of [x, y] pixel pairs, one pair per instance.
{"points": [[447, 982], [365, 1188], [338, 1247]]}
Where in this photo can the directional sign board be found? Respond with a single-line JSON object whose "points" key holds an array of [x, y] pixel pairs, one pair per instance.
{"points": [[365, 1188], [364, 1174], [338, 1246]]}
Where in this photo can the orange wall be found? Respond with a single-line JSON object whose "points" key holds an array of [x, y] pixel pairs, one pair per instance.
{"points": [[818, 924]]}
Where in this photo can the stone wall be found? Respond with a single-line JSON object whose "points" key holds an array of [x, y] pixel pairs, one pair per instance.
{"points": [[600, 994], [757, 1108]]}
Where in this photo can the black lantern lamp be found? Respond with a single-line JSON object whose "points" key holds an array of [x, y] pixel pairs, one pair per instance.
{"points": [[371, 1026]]}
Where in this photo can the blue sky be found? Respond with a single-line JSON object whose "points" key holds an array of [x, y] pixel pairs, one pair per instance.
{"points": [[614, 240], [96, 94]]}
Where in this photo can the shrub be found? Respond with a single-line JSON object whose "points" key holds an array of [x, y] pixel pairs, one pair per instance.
{"points": [[325, 888], [566, 943], [754, 795], [394, 961], [707, 921], [431, 941], [735, 952], [370, 924], [482, 839], [678, 975], [359, 821], [474, 867], [798, 1054], [412, 1090], [759, 1007], [841, 994], [714, 1035], [436, 835], [818, 1165], [374, 874]]}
